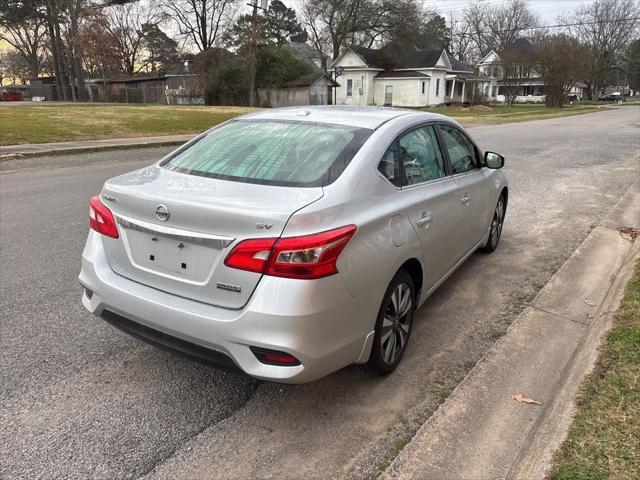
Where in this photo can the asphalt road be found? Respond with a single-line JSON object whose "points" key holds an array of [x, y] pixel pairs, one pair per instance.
{"points": [[79, 399]]}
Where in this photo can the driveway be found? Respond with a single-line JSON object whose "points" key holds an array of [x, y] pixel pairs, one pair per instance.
{"points": [[80, 399]]}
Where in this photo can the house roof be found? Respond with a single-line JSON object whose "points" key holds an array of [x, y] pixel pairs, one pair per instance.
{"points": [[137, 78], [387, 59], [461, 76], [401, 74], [308, 79], [371, 57], [306, 53], [418, 59], [520, 46], [458, 66]]}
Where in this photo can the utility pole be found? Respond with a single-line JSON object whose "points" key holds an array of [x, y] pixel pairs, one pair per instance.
{"points": [[253, 40], [337, 72]]}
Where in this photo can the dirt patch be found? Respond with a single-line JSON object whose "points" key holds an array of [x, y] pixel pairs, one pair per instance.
{"points": [[630, 233]]}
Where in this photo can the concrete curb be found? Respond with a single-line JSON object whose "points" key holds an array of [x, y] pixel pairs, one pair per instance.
{"points": [[536, 456], [13, 152], [480, 432]]}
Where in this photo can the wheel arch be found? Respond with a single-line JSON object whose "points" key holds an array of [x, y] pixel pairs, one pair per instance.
{"points": [[414, 268]]}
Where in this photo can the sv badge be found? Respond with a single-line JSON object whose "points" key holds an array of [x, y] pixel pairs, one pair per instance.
{"points": [[264, 226]]}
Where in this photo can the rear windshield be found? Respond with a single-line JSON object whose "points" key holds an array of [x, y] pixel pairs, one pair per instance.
{"points": [[272, 152]]}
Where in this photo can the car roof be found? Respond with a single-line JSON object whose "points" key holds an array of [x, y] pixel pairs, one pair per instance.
{"points": [[353, 116]]}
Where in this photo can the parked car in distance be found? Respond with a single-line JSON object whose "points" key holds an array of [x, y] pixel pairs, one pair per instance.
{"points": [[611, 97], [290, 243]]}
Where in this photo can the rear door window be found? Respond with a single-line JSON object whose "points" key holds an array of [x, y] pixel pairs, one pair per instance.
{"points": [[389, 166], [420, 155], [272, 152]]}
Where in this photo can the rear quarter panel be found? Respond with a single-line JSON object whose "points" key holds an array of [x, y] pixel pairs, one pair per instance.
{"points": [[384, 239]]}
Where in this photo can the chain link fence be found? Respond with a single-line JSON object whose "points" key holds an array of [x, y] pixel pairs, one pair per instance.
{"points": [[121, 93]]}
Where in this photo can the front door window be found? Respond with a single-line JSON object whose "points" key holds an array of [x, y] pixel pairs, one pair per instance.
{"points": [[462, 153]]}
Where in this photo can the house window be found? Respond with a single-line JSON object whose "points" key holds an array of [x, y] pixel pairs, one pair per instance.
{"points": [[349, 88], [459, 86], [424, 87], [437, 87], [361, 90]]}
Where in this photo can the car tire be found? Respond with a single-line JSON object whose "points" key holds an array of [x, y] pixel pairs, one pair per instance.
{"points": [[393, 325], [495, 229]]}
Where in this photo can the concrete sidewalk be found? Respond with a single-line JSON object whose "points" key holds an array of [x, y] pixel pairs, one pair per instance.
{"points": [[36, 149], [481, 432]]}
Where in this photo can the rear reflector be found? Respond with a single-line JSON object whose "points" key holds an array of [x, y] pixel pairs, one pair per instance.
{"points": [[305, 257], [101, 219], [274, 357]]}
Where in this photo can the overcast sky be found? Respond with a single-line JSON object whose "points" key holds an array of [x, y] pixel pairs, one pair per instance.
{"points": [[547, 10]]}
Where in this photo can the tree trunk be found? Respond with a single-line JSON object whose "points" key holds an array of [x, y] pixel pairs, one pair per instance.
{"points": [[76, 54], [55, 52], [61, 58], [82, 91]]}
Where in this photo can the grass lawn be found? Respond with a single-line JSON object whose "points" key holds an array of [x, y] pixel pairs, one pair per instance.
{"points": [[495, 114], [42, 123], [604, 440], [61, 122]]}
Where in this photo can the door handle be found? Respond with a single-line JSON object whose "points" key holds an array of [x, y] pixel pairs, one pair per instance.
{"points": [[466, 199], [425, 219]]}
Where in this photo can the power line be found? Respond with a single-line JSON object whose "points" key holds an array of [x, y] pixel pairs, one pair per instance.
{"points": [[561, 25], [458, 9]]}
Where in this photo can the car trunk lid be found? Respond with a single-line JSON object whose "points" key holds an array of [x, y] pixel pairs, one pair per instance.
{"points": [[176, 230]]}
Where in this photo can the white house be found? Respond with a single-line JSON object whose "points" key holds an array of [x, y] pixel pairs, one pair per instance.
{"points": [[530, 86], [414, 79]]}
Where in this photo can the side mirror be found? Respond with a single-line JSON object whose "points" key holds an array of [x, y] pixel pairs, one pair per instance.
{"points": [[493, 160]]}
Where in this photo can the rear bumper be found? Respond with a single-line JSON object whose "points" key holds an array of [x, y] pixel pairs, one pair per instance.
{"points": [[170, 343], [319, 321]]}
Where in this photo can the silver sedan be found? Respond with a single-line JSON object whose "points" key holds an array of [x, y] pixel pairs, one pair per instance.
{"points": [[289, 243]]}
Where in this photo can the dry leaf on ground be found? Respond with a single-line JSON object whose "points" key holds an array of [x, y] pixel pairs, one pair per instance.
{"points": [[518, 397], [632, 233]]}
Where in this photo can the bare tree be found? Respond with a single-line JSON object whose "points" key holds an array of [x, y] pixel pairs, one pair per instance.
{"points": [[605, 27], [514, 69], [13, 67], [398, 21], [498, 27], [202, 21], [22, 27], [53, 18], [462, 46], [559, 59], [127, 25], [334, 24], [318, 35], [100, 49], [75, 12]]}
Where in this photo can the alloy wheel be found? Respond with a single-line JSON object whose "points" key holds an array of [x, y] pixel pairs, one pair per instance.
{"points": [[396, 323], [497, 222]]}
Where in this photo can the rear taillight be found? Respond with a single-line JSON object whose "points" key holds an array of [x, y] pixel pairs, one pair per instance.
{"points": [[101, 219], [306, 257], [251, 255]]}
